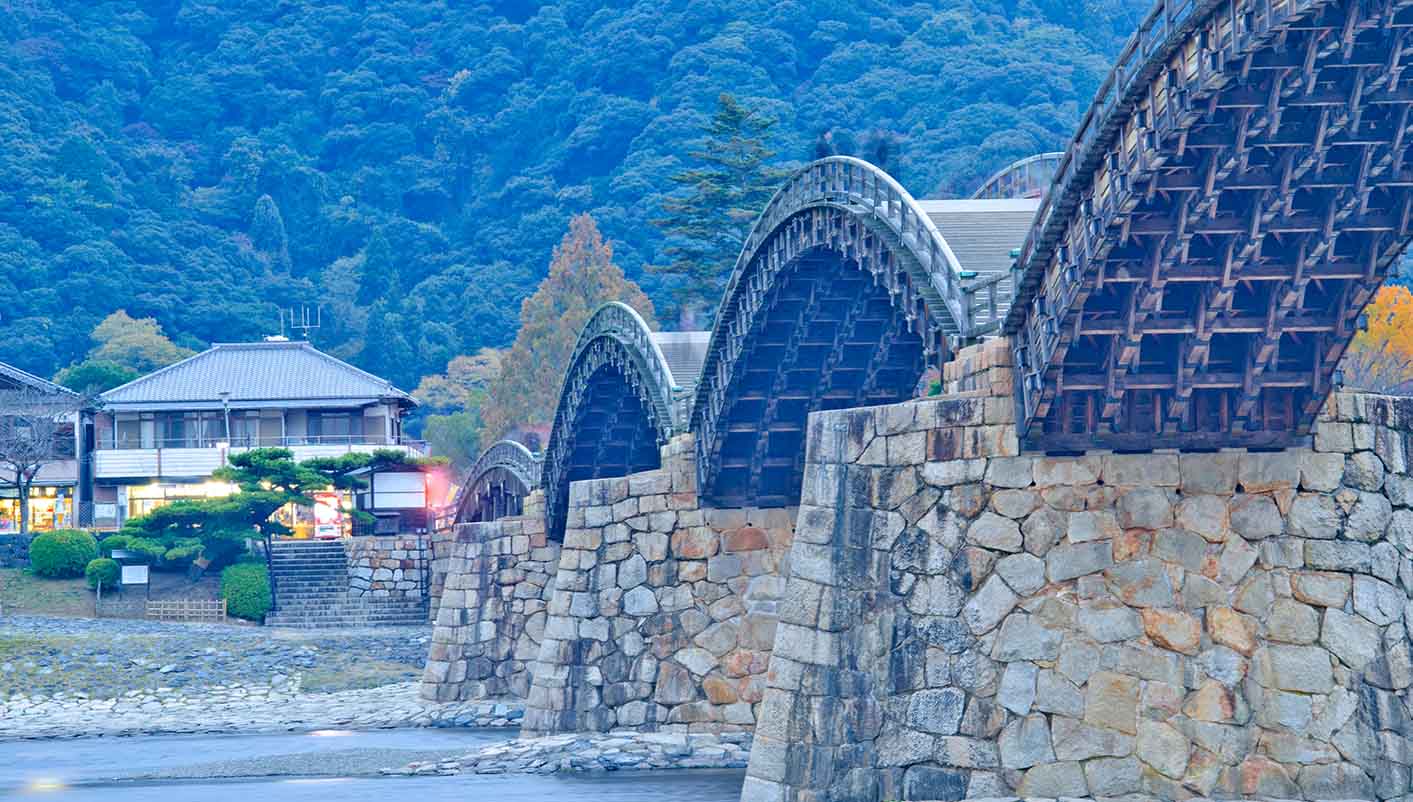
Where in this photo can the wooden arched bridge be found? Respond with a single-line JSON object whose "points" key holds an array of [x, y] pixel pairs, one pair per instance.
{"points": [[1190, 278]]}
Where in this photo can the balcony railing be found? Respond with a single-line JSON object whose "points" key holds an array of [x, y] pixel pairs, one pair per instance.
{"points": [[265, 442]]}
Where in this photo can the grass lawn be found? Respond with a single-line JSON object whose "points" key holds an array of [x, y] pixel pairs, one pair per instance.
{"points": [[23, 592]]}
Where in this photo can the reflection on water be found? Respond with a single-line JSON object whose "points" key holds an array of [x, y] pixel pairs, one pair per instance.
{"points": [[81, 771], [633, 786]]}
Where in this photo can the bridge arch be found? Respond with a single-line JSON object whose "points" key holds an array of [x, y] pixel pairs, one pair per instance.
{"points": [[618, 404], [1235, 195], [498, 483], [1029, 177], [843, 292]]}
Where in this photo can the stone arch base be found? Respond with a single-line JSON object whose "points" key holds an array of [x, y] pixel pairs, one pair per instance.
{"points": [[490, 619], [961, 620], [663, 613]]}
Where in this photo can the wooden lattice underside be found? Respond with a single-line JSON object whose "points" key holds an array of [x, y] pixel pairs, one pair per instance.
{"points": [[1213, 275], [610, 430], [826, 337], [496, 494]]}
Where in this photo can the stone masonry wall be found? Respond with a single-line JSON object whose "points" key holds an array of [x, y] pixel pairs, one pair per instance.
{"points": [[961, 620], [664, 613], [491, 617], [390, 566], [444, 547]]}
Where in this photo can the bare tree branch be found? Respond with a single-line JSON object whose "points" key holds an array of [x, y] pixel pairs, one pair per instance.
{"points": [[36, 428]]}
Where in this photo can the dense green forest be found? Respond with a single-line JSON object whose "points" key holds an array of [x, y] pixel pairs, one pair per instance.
{"points": [[408, 165]]}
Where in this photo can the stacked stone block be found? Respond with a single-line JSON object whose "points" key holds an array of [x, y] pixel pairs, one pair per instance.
{"points": [[962, 621], [664, 612], [388, 567], [492, 612]]}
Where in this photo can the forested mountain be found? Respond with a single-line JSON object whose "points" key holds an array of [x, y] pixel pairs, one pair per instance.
{"points": [[409, 164]]}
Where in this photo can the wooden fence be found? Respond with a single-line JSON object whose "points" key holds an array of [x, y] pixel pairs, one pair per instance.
{"points": [[187, 609]]}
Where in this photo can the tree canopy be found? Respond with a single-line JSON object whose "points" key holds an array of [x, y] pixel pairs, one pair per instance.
{"points": [[582, 277], [204, 165], [707, 221]]}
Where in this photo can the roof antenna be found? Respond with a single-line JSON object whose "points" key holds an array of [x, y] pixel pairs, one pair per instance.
{"points": [[300, 320]]}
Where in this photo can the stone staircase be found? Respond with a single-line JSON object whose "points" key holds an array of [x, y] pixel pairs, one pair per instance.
{"points": [[311, 591]]}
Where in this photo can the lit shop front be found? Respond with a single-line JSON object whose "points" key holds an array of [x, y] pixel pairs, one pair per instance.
{"points": [[142, 499], [326, 519], [50, 508]]}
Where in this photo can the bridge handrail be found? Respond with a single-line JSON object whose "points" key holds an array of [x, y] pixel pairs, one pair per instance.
{"points": [[1149, 45], [851, 181], [508, 454], [622, 320], [990, 189]]}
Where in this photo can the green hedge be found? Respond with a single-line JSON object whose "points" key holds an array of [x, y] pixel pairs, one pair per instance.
{"points": [[103, 571], [62, 554], [246, 589], [109, 544]]}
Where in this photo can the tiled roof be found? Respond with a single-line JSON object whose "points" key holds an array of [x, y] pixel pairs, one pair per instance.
{"points": [[23, 379], [256, 372]]}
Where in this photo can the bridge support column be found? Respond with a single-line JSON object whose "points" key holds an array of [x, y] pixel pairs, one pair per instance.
{"points": [[664, 612], [490, 619], [963, 620]]}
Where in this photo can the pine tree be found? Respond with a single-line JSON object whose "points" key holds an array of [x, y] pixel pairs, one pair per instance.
{"points": [[267, 234], [582, 277], [706, 222]]}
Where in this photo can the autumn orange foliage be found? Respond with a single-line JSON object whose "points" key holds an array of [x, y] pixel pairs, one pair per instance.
{"points": [[1380, 359], [582, 277]]}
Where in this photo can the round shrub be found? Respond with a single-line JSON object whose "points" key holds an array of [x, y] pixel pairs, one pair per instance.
{"points": [[63, 553], [105, 572], [246, 589], [112, 543]]}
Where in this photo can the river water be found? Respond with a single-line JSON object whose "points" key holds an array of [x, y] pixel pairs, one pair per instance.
{"points": [[328, 765]]}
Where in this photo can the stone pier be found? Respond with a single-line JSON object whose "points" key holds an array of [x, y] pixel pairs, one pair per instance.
{"points": [[664, 612], [961, 620], [491, 608]]}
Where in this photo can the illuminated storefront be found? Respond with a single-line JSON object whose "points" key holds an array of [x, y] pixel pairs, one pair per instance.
{"points": [[49, 508], [328, 518], [142, 499]]}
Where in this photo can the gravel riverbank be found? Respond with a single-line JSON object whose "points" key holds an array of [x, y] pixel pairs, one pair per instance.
{"points": [[68, 677], [595, 752]]}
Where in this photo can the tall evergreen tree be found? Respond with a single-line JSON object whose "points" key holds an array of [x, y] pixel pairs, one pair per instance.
{"points": [[378, 278], [707, 220], [582, 277], [387, 351], [267, 234]]}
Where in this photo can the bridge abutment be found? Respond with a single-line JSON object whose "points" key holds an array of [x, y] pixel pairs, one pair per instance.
{"points": [[963, 620], [490, 617], [664, 612]]}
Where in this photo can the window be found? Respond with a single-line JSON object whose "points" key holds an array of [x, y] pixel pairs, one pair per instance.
{"points": [[245, 428], [336, 427]]}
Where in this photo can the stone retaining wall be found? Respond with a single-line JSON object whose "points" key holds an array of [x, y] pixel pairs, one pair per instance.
{"points": [[664, 612], [960, 620], [444, 547], [388, 566], [491, 616], [14, 551]]}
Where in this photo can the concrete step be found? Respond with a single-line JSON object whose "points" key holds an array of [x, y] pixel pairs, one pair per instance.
{"points": [[346, 605]]}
